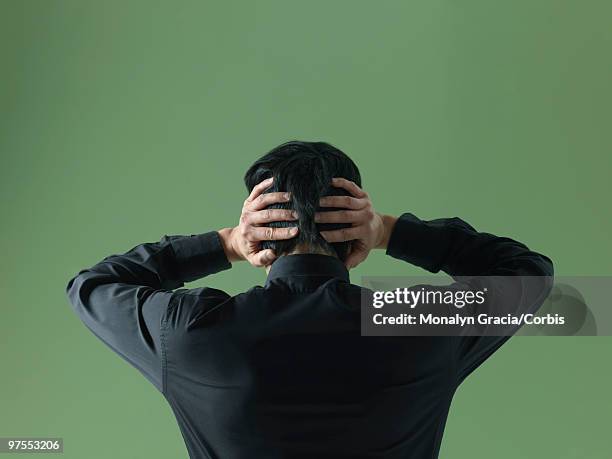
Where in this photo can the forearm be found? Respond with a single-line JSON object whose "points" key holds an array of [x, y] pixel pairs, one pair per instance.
{"points": [[453, 246], [166, 264]]}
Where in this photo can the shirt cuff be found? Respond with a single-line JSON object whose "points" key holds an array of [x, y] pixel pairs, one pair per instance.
{"points": [[418, 242], [199, 255]]}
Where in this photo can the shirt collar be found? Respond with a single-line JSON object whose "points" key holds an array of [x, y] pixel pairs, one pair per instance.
{"points": [[307, 265]]}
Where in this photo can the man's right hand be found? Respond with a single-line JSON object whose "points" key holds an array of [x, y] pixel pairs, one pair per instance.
{"points": [[243, 242]]}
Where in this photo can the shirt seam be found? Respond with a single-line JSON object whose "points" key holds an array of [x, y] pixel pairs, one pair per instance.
{"points": [[164, 369]]}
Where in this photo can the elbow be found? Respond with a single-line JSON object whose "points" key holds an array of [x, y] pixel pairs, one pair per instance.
{"points": [[546, 266], [539, 280], [546, 270], [74, 288], [71, 286], [549, 276], [83, 304], [79, 288]]}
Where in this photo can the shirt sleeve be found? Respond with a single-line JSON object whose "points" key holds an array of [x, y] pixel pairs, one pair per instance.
{"points": [[124, 299], [453, 246]]}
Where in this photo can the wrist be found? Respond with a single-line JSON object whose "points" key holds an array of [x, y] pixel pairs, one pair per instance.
{"points": [[227, 240], [388, 223]]}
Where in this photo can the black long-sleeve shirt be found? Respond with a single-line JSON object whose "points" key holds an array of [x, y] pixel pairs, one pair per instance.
{"points": [[281, 370]]}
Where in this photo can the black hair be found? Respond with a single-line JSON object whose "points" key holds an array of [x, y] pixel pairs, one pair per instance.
{"points": [[305, 169]]}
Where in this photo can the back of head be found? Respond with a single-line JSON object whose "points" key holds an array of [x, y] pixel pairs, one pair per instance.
{"points": [[305, 169]]}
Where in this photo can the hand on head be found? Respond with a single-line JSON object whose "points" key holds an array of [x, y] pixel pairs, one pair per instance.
{"points": [[368, 229], [243, 241]]}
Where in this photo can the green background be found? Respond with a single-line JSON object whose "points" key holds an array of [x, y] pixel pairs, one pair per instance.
{"points": [[122, 121]]}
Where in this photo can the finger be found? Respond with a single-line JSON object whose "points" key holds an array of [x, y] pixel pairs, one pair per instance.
{"points": [[260, 188], [345, 202], [267, 233], [351, 187], [272, 215], [262, 258], [264, 200], [342, 235], [340, 216]]}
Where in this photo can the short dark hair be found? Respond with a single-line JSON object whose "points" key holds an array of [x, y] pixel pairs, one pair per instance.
{"points": [[305, 169]]}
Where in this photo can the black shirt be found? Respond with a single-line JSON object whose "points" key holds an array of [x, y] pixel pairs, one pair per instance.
{"points": [[281, 370]]}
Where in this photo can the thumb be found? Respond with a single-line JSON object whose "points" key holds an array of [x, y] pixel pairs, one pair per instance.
{"points": [[263, 258]]}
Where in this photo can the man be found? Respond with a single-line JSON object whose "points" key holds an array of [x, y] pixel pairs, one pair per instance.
{"points": [[281, 370]]}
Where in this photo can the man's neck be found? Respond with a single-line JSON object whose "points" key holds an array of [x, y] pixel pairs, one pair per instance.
{"points": [[305, 249]]}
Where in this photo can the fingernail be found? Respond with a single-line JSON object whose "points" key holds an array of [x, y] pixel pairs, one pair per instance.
{"points": [[294, 214], [287, 196]]}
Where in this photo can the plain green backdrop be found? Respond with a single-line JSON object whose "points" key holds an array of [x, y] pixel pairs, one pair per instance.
{"points": [[122, 121]]}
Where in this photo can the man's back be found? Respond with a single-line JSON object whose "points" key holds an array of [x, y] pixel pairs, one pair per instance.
{"points": [[282, 371]]}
